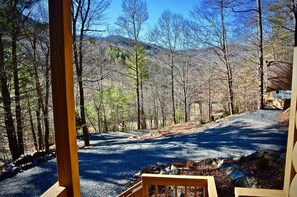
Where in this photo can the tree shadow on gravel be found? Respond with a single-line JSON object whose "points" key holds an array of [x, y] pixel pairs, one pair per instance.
{"points": [[115, 160], [40, 178]]}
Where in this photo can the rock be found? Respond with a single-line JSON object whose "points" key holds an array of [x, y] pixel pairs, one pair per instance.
{"points": [[220, 162], [208, 161], [5, 175], [252, 182], [284, 117], [242, 182], [228, 170], [172, 168], [9, 166], [48, 157], [255, 155], [164, 172], [180, 194], [167, 169], [23, 160], [148, 169], [229, 164], [239, 159], [41, 160], [259, 154], [137, 175], [190, 164], [236, 174], [282, 157], [17, 170], [269, 157], [275, 154], [27, 166], [174, 172]]}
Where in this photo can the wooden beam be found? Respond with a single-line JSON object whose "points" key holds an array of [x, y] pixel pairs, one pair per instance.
{"points": [[252, 192], [55, 191], [292, 133], [63, 95]]}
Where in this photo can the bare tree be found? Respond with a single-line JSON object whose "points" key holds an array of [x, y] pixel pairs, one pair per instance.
{"points": [[211, 26], [259, 21], [84, 14], [134, 15], [167, 33]]}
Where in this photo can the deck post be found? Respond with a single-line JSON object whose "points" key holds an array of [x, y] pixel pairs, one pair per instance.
{"points": [[63, 95]]}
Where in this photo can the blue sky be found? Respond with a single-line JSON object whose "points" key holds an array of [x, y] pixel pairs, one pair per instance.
{"points": [[155, 9]]}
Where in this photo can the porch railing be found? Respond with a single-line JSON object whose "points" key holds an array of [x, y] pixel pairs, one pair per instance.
{"points": [[172, 185]]}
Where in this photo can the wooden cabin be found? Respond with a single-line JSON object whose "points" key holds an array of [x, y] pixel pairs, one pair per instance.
{"points": [[64, 117]]}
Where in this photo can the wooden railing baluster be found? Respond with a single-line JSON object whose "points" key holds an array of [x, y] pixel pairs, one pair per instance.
{"points": [[166, 190]]}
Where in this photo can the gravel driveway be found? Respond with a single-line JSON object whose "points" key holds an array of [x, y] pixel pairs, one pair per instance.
{"points": [[114, 158]]}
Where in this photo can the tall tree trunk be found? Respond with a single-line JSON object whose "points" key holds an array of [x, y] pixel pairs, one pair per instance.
{"points": [[295, 20], [18, 110], [78, 61], [31, 122], [172, 90], [39, 129], [46, 104], [137, 86], [156, 122], [185, 102], [143, 118], [39, 96], [261, 58], [209, 100], [226, 59], [9, 124]]}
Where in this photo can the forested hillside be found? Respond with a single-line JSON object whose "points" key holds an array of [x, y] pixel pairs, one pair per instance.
{"points": [[185, 68]]}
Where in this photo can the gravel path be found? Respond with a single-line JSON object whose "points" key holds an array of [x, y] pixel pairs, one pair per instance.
{"points": [[114, 158]]}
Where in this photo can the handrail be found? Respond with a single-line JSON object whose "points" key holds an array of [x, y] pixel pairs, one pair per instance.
{"points": [[178, 181], [132, 190], [55, 191], [246, 192]]}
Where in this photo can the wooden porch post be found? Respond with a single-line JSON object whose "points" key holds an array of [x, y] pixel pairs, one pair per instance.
{"points": [[63, 95]]}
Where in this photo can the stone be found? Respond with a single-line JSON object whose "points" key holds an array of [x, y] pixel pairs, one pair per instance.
{"points": [[41, 160], [148, 169], [174, 172], [269, 157], [181, 194], [5, 175], [164, 172], [137, 175], [48, 157], [17, 170], [239, 159], [228, 170], [282, 157], [156, 171], [208, 161], [229, 164], [167, 169], [28, 166], [172, 168], [236, 174], [255, 155], [220, 162], [252, 182], [259, 154], [241, 182], [9, 166], [275, 154], [190, 164]]}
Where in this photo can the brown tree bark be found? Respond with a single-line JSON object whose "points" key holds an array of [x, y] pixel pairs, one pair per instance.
{"points": [[9, 124]]}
